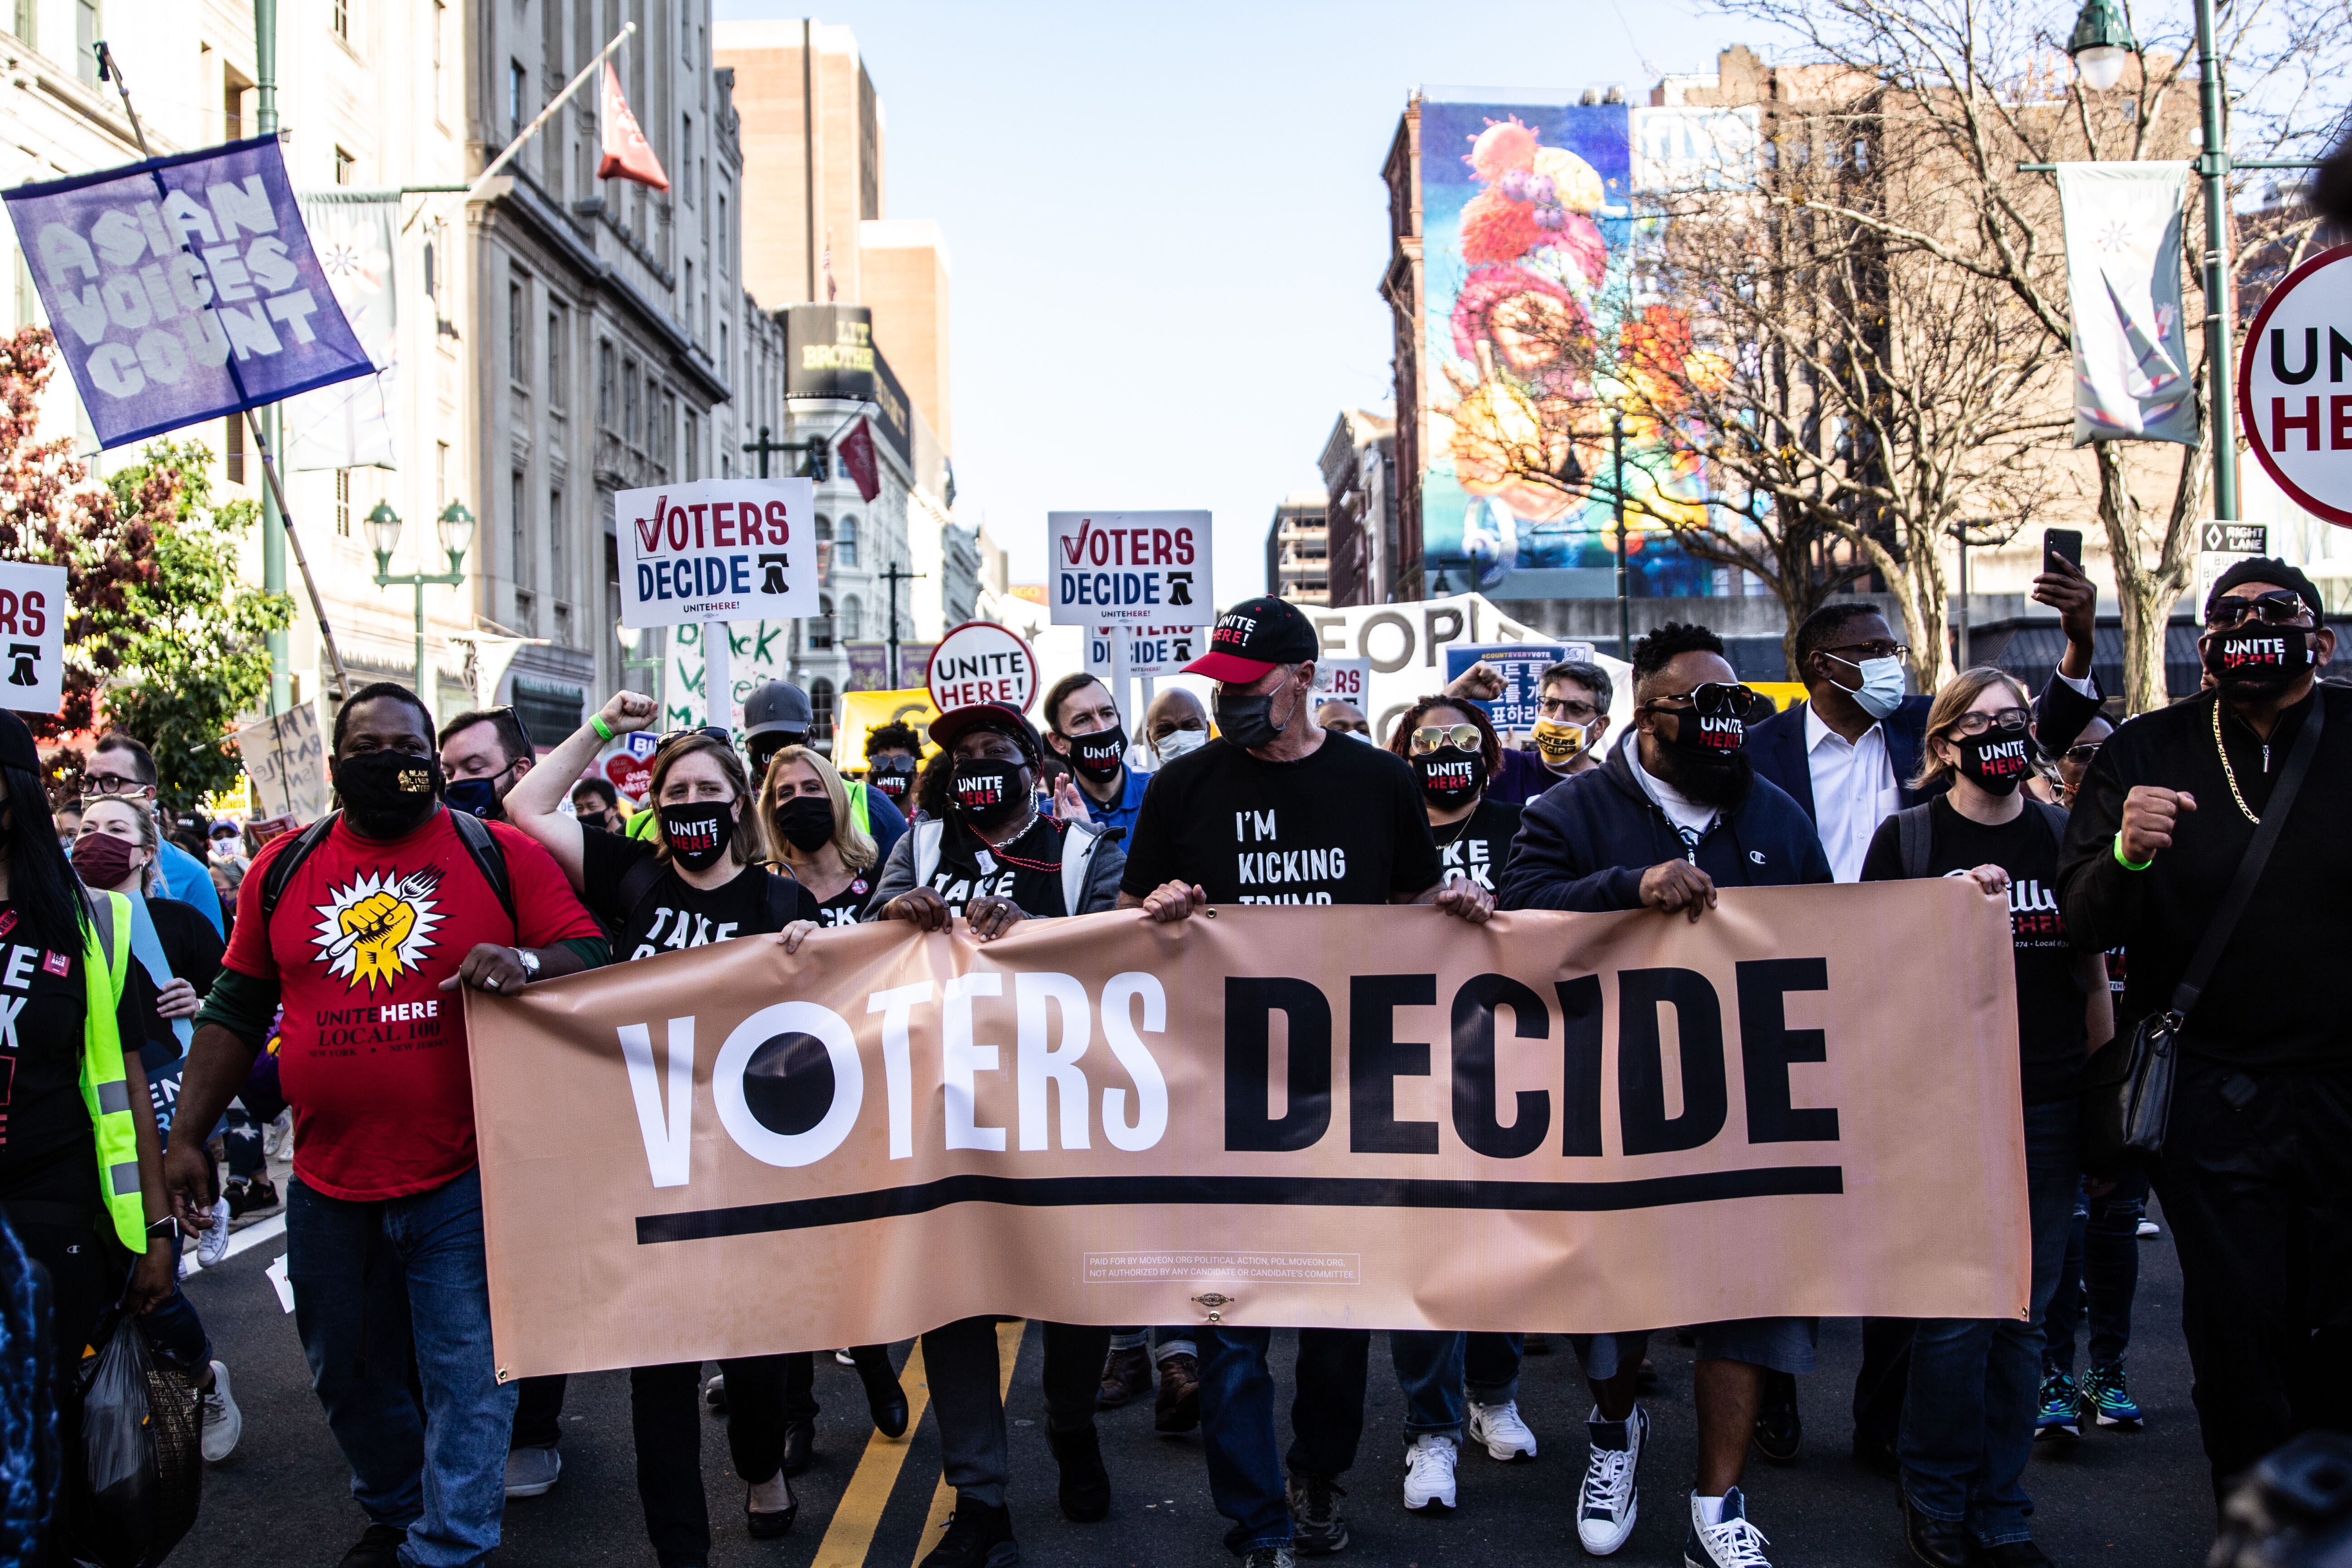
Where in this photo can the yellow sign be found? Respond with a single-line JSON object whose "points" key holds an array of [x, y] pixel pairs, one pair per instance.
{"points": [[1783, 693], [863, 710]]}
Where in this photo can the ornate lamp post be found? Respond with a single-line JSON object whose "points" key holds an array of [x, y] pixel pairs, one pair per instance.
{"points": [[455, 526]]}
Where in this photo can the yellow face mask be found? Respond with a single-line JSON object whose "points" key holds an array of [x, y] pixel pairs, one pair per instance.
{"points": [[1557, 743]]}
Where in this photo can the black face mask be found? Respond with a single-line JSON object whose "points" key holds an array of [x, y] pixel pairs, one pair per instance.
{"points": [[1707, 760], [388, 794], [2258, 660], [1995, 762], [478, 796], [1100, 755], [762, 750], [1248, 721], [987, 793], [806, 822], [889, 777], [698, 833], [1450, 776]]}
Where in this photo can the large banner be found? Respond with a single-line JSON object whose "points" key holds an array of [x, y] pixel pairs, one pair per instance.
{"points": [[350, 425], [182, 287], [2132, 371], [1365, 1117]]}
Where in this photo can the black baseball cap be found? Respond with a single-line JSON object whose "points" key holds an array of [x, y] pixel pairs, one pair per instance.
{"points": [[2279, 574], [997, 716], [1253, 638]]}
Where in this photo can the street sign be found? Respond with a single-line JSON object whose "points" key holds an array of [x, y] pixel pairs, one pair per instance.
{"points": [[717, 550], [980, 661], [32, 637], [2295, 385], [1129, 568], [1344, 680], [2222, 545]]}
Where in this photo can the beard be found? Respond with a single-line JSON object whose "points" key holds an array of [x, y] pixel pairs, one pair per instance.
{"points": [[2240, 691], [1722, 781]]}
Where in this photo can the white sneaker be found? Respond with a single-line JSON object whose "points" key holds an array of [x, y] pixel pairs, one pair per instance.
{"points": [[1429, 1474], [223, 1423], [1732, 1542], [531, 1472], [2148, 1228], [278, 1141], [1608, 1502], [1499, 1428], [212, 1243]]}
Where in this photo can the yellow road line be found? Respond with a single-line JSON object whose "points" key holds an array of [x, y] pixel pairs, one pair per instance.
{"points": [[850, 1533], [1008, 1351]]}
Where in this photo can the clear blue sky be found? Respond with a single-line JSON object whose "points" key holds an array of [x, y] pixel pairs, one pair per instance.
{"points": [[1166, 224]]}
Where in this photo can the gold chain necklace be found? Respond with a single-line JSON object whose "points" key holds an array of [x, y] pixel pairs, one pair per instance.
{"points": [[2227, 771]]}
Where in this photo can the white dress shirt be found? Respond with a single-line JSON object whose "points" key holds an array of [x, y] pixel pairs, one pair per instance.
{"points": [[1853, 791]]}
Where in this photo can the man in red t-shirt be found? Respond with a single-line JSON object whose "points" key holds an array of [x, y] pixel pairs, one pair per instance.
{"points": [[365, 945]]}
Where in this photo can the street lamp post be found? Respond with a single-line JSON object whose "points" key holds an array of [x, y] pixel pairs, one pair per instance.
{"points": [[456, 525], [630, 637]]}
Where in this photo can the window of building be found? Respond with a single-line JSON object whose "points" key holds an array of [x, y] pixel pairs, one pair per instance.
{"points": [[518, 87], [557, 333], [852, 621], [86, 35], [343, 503], [629, 403], [845, 543], [518, 367], [232, 94], [725, 365], [820, 713], [340, 20], [232, 447], [819, 630], [693, 445], [27, 15], [440, 23], [344, 164], [432, 271], [440, 476], [720, 240], [686, 158], [688, 301], [518, 531], [559, 581], [604, 384]]}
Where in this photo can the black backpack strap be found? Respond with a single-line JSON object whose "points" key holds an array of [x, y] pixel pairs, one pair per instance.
{"points": [[1915, 837], [288, 861], [635, 883], [783, 899], [2053, 818], [489, 860]]}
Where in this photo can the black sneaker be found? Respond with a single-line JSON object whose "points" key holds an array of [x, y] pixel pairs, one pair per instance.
{"points": [[377, 1547], [1086, 1485], [977, 1537], [1779, 1432], [250, 1196], [1316, 1528]]}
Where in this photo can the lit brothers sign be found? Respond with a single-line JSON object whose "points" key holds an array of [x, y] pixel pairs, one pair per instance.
{"points": [[732, 550]]}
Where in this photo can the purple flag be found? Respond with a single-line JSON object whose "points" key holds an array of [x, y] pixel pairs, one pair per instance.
{"points": [[184, 289]]}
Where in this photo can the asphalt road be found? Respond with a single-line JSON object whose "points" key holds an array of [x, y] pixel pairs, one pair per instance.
{"points": [[282, 1500]]}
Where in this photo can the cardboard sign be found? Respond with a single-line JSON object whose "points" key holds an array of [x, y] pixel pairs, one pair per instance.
{"points": [[1129, 568], [980, 661], [286, 761], [33, 636], [728, 550]]}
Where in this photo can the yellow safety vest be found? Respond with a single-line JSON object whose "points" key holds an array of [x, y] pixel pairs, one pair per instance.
{"points": [[105, 1085]]}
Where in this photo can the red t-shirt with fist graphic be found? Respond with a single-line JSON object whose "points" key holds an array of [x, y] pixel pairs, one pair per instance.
{"points": [[373, 1051]]}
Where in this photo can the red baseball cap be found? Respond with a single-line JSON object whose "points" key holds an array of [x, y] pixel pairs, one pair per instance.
{"points": [[1253, 638]]}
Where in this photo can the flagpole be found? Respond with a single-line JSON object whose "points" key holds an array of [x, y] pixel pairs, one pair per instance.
{"points": [[532, 130], [110, 67]]}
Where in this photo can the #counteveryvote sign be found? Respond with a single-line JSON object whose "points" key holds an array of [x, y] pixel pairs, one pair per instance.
{"points": [[717, 550], [184, 287], [1129, 568], [980, 661], [2295, 385], [32, 637], [1521, 666]]}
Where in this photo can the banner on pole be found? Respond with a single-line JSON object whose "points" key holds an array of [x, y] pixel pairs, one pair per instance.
{"points": [[183, 288], [2132, 369], [349, 424], [1556, 1123]]}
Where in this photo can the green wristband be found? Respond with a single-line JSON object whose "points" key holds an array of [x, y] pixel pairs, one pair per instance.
{"points": [[2127, 863], [596, 722]]}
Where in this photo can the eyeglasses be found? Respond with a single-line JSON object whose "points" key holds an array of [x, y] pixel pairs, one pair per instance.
{"points": [[100, 784], [2278, 607], [2081, 756], [1430, 737], [1883, 648], [1711, 698], [1570, 708], [2008, 722]]}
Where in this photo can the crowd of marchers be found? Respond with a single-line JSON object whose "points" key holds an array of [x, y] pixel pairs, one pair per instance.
{"points": [[138, 1028]]}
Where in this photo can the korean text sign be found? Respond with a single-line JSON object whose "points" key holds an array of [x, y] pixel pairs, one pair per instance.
{"points": [[1129, 568], [725, 550], [184, 289]]}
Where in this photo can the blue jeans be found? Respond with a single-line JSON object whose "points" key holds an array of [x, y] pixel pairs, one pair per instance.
{"points": [[379, 1286], [2102, 1264], [1436, 1368], [1327, 1419], [1967, 1413]]}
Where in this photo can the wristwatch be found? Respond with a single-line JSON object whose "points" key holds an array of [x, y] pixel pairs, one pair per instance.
{"points": [[529, 961]]}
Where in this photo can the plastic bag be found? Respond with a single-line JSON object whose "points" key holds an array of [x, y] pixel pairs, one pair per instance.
{"points": [[138, 1473]]}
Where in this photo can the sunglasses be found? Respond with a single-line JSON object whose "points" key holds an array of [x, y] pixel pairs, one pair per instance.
{"points": [[2081, 756], [1430, 737], [718, 732], [1712, 698], [2279, 607], [2008, 722]]}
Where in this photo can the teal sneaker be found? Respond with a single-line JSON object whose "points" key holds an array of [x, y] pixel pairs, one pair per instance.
{"points": [[2107, 1401], [2061, 1416]]}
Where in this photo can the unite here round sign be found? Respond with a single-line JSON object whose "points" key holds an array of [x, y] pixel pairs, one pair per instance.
{"points": [[980, 661], [2295, 385]]}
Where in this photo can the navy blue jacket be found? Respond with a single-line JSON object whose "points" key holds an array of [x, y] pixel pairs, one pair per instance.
{"points": [[1584, 843]]}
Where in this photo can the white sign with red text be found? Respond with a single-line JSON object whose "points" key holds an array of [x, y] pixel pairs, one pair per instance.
{"points": [[1129, 568], [723, 550], [2295, 385], [980, 661], [1343, 681], [32, 637]]}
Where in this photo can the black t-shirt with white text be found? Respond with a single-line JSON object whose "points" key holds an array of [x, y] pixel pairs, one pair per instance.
{"points": [[1477, 846], [1344, 825], [844, 908], [47, 1152], [1028, 871], [674, 915], [2052, 1043]]}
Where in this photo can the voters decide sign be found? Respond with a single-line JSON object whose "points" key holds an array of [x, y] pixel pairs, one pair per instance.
{"points": [[980, 661], [717, 550], [1129, 568], [2295, 385]]}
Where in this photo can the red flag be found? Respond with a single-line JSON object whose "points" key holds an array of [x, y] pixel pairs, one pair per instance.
{"points": [[627, 155], [856, 450]]}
